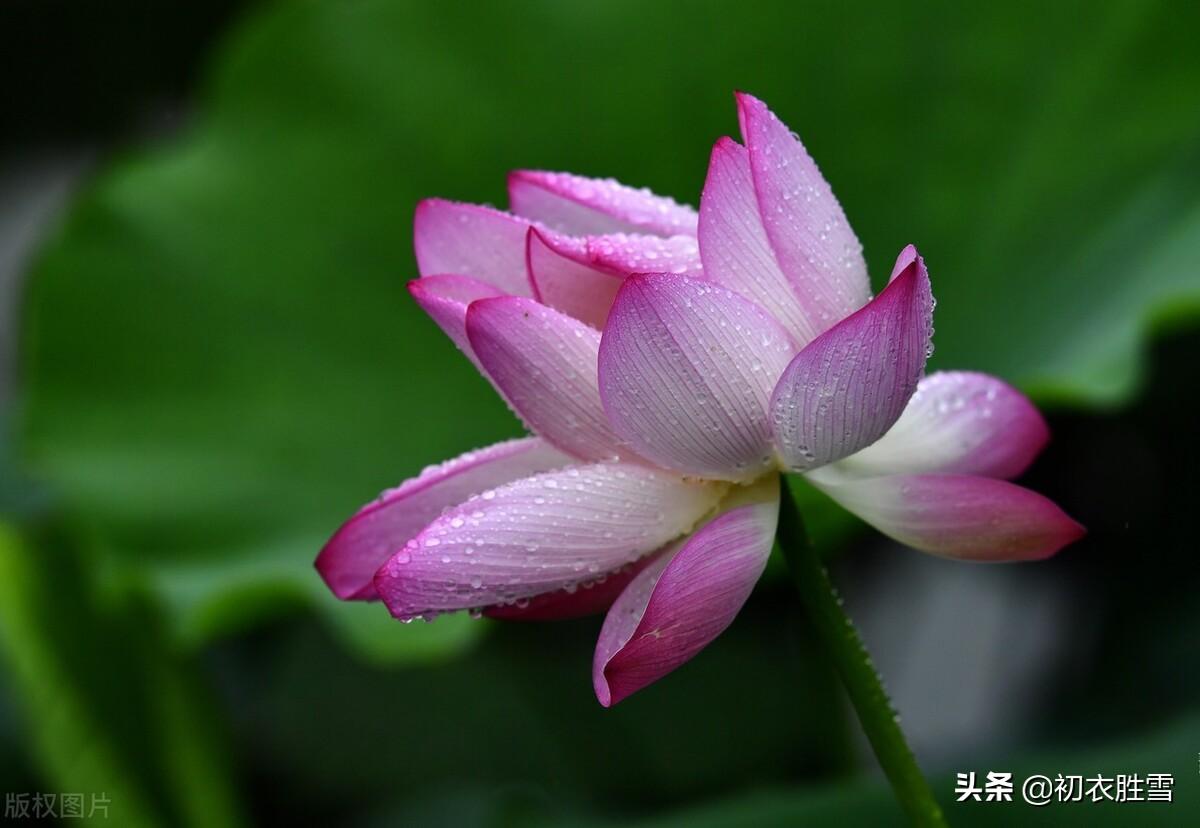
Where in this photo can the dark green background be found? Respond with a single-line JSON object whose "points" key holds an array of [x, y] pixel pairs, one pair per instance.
{"points": [[218, 362]]}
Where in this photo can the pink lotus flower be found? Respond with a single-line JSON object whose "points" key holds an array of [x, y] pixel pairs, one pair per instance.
{"points": [[670, 364]]}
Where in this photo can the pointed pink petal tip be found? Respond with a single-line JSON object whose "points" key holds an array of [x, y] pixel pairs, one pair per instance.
{"points": [[688, 596], [445, 298], [471, 240], [907, 256], [956, 516], [584, 206], [808, 231], [348, 561], [562, 278], [734, 248], [848, 386]]}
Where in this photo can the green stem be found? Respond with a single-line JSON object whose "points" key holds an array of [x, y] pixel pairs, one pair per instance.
{"points": [[853, 664]]}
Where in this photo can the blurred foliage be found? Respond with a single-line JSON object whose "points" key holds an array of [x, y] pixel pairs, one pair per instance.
{"points": [[519, 718], [870, 803], [111, 709], [220, 363]]}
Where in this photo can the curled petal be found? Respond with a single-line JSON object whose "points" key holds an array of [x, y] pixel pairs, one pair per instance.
{"points": [[563, 280], [809, 233], [446, 298], [686, 371], [958, 422], [907, 256], [544, 364], [581, 276], [349, 560], [850, 384], [540, 534], [686, 597], [955, 515], [592, 206], [734, 247], [471, 240]]}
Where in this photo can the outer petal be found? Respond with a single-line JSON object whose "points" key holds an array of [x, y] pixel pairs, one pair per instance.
{"points": [[351, 557], [544, 363], [956, 516], [734, 247], [686, 598], [958, 422], [850, 384], [686, 370], [592, 206], [812, 240], [471, 240], [540, 534], [563, 279], [445, 298], [627, 254], [576, 601]]}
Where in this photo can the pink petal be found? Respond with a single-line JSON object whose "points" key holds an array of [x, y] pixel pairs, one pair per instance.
{"points": [[563, 280], [956, 516], [734, 245], [850, 384], [544, 364], [686, 371], [581, 276], [470, 240], [588, 598], [958, 422], [809, 233], [907, 256], [628, 254], [685, 598], [540, 534], [364, 542], [445, 298], [591, 206]]}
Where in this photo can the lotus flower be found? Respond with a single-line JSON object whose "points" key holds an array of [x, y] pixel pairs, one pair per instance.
{"points": [[670, 364]]}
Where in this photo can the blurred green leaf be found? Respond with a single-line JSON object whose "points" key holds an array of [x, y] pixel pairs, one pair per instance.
{"points": [[220, 360], [520, 716], [108, 711], [373, 633], [1170, 750]]}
